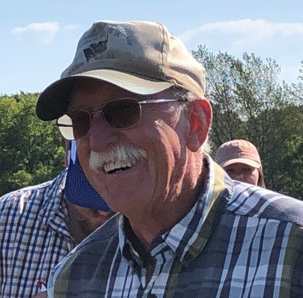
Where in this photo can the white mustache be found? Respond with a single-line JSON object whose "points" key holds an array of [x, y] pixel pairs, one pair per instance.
{"points": [[121, 153]]}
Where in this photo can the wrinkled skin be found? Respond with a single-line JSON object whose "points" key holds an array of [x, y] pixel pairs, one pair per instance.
{"points": [[160, 188]]}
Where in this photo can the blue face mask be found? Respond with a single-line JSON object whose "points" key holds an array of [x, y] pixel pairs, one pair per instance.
{"points": [[77, 188]]}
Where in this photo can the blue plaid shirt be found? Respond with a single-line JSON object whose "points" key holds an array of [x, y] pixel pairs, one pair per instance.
{"points": [[34, 236], [238, 240]]}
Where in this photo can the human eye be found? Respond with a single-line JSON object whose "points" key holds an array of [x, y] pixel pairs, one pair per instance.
{"points": [[79, 117], [247, 170]]}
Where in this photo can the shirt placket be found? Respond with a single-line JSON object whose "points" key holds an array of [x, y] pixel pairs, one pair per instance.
{"points": [[156, 284]]}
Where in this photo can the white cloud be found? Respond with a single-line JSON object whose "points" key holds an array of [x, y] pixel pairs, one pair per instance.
{"points": [[45, 32], [278, 40], [38, 27], [258, 28], [243, 35]]}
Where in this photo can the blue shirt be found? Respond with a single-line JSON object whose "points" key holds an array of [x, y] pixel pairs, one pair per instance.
{"points": [[34, 236], [238, 240]]}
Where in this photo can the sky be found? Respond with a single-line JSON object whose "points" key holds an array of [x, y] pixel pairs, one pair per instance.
{"points": [[39, 38]]}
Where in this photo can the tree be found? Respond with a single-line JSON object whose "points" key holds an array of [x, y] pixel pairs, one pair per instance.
{"points": [[249, 102], [32, 150], [295, 91]]}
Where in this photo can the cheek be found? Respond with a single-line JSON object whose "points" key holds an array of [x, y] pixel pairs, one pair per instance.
{"points": [[257, 175], [254, 177], [169, 141], [171, 154]]}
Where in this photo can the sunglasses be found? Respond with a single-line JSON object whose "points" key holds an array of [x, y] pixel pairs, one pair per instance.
{"points": [[122, 113]]}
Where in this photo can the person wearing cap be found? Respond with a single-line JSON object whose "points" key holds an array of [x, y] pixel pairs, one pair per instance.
{"points": [[241, 160], [40, 224], [133, 99]]}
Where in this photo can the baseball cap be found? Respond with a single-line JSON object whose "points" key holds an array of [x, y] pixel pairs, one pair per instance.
{"points": [[77, 188], [140, 57], [238, 151]]}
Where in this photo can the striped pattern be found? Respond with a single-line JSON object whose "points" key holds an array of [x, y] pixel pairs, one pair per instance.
{"points": [[33, 236], [238, 240]]}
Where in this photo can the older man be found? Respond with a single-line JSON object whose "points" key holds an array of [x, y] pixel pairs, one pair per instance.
{"points": [[133, 99]]}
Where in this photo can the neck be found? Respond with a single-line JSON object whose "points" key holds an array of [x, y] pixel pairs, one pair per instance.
{"points": [[148, 224], [83, 221]]}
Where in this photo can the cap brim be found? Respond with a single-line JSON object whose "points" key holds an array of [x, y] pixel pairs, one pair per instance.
{"points": [[245, 161], [53, 101]]}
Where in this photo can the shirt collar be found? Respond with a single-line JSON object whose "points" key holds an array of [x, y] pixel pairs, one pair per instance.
{"points": [[54, 210], [190, 235]]}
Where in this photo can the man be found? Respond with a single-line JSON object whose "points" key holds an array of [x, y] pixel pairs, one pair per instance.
{"points": [[133, 99], [40, 224], [241, 160]]}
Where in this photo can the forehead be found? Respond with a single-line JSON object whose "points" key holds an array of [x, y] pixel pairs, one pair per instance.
{"points": [[90, 93]]}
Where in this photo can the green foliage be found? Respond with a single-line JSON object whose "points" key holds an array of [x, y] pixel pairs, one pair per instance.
{"points": [[32, 151], [249, 102]]}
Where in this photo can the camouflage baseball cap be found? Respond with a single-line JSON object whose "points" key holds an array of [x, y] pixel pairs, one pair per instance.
{"points": [[141, 57]]}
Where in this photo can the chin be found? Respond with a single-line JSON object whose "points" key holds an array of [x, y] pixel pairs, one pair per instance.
{"points": [[123, 203]]}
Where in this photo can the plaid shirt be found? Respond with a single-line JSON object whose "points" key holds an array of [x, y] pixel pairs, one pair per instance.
{"points": [[238, 240], [33, 236]]}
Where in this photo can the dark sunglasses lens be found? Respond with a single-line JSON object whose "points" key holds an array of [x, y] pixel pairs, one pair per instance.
{"points": [[122, 113], [81, 123]]}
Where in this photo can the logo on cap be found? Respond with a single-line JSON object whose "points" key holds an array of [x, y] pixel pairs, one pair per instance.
{"points": [[95, 49]]}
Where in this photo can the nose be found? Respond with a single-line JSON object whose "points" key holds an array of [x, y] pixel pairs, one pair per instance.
{"points": [[101, 134]]}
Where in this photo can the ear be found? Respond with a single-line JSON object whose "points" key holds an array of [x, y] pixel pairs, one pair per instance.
{"points": [[200, 118]]}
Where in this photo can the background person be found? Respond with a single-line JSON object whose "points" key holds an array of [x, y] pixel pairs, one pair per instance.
{"points": [[133, 99], [241, 160], [40, 224]]}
